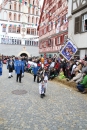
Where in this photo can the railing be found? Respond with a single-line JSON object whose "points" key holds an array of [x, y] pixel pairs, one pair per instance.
{"points": [[4, 3]]}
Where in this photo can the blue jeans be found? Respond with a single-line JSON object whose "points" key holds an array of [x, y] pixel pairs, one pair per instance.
{"points": [[81, 87]]}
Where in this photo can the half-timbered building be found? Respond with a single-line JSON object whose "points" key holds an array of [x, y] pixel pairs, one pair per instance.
{"points": [[77, 30], [53, 26]]}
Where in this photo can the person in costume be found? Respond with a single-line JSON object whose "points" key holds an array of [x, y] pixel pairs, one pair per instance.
{"points": [[35, 69], [19, 69], [10, 67], [43, 84]]}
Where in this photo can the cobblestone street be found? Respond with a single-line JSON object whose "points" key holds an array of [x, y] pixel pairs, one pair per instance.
{"points": [[21, 107]]}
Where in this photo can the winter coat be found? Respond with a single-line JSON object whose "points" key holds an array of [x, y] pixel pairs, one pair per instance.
{"points": [[84, 81], [19, 67], [10, 65], [78, 78], [35, 70]]}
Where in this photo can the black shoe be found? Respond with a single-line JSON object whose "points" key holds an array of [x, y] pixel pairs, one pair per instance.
{"points": [[9, 77], [19, 81], [41, 95]]}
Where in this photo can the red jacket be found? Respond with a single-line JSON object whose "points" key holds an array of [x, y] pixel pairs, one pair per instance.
{"points": [[57, 65]]}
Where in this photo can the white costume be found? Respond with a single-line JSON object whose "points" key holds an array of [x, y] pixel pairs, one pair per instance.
{"points": [[43, 85]]}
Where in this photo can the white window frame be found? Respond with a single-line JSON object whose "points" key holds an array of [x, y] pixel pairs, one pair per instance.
{"points": [[84, 17]]}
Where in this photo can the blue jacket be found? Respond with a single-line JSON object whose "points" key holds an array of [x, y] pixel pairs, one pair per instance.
{"points": [[19, 67], [35, 70], [0, 67]]}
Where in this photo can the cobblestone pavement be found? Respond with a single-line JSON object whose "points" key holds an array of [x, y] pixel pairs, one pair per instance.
{"points": [[61, 109]]}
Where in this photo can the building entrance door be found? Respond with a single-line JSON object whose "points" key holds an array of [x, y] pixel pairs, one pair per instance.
{"points": [[24, 54]]}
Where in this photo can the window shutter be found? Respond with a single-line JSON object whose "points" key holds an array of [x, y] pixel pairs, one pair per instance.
{"points": [[56, 41], [40, 45], [47, 28], [77, 25], [49, 42]]}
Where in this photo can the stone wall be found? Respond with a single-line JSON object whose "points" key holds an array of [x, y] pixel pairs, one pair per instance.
{"points": [[9, 50]]}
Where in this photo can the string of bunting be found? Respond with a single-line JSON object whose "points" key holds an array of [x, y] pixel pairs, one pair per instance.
{"points": [[48, 13], [55, 22], [23, 2], [58, 22], [12, 25]]}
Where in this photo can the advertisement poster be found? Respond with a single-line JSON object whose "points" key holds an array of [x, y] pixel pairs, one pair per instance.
{"points": [[68, 50]]}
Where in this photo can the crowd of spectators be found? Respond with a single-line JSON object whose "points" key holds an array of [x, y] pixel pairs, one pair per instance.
{"points": [[74, 70]]}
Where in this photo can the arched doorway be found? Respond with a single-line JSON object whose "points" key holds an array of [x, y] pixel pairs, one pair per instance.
{"points": [[23, 54]]}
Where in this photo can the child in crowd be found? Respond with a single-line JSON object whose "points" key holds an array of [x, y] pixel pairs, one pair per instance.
{"points": [[43, 84]]}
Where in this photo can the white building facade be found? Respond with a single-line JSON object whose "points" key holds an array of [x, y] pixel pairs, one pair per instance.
{"points": [[18, 22], [77, 29]]}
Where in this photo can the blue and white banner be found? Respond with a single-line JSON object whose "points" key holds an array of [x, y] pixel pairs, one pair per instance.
{"points": [[69, 50]]}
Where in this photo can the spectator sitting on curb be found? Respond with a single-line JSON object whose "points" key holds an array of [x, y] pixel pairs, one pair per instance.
{"points": [[61, 74], [82, 87]]}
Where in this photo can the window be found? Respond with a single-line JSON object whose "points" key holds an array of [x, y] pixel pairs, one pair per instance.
{"points": [[50, 2], [10, 16], [61, 23], [50, 26], [32, 19], [77, 25], [32, 31], [15, 6], [29, 1], [4, 28], [49, 43], [45, 30], [28, 19], [12, 41], [10, 29], [18, 29], [19, 17], [36, 20], [15, 17], [35, 33], [29, 10], [19, 7], [84, 23], [45, 44], [10, 6], [33, 2], [30, 43], [37, 12], [14, 29], [40, 33], [59, 4], [28, 30], [57, 41], [81, 23], [32, 10], [40, 45]]}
